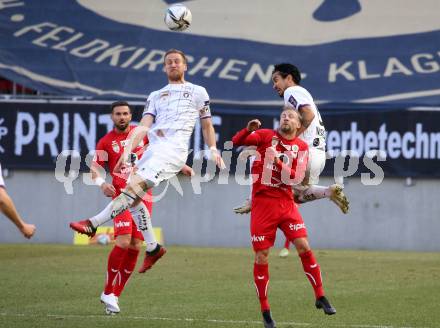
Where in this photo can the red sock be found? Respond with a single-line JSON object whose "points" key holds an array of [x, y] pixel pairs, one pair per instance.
{"points": [[127, 266], [261, 279], [114, 262], [313, 272], [287, 244]]}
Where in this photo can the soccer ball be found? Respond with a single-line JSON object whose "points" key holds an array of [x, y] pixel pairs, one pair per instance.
{"points": [[178, 17], [103, 239]]}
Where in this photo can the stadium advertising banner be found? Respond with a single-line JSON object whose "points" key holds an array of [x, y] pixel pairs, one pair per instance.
{"points": [[349, 51], [402, 143]]}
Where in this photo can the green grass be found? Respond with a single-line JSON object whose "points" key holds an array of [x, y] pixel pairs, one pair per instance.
{"points": [[59, 286]]}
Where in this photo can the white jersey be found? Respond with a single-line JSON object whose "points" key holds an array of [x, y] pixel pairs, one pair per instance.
{"points": [[297, 97], [176, 107]]}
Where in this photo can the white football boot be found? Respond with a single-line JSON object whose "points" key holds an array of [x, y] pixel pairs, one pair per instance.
{"points": [[111, 303], [284, 253]]}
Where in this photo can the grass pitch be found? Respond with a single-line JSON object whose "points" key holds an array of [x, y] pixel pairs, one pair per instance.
{"points": [[59, 286]]}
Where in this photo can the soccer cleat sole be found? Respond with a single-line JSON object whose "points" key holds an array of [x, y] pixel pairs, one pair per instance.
{"points": [[108, 312], [338, 197], [243, 209], [327, 310]]}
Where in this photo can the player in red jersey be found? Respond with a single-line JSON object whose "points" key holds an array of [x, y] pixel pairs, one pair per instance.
{"points": [[282, 163], [122, 259], [128, 239]]}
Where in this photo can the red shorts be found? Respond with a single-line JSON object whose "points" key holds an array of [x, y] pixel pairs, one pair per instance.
{"points": [[270, 213], [124, 225]]}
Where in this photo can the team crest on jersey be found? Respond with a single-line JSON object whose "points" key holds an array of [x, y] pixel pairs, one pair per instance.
{"points": [[293, 101], [186, 94], [115, 146], [293, 148]]}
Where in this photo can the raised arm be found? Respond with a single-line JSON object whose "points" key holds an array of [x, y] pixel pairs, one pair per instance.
{"points": [[7, 207], [245, 137]]}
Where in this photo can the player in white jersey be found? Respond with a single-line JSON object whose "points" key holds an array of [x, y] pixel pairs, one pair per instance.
{"points": [[286, 79], [169, 118], [7, 207]]}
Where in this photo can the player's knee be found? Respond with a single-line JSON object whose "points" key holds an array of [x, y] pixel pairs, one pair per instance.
{"points": [[123, 241], [136, 244], [139, 185], [301, 245], [262, 256]]}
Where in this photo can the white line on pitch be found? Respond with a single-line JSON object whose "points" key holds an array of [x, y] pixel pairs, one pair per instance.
{"points": [[232, 322]]}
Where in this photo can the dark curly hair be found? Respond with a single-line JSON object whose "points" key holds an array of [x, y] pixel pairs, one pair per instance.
{"points": [[285, 69]]}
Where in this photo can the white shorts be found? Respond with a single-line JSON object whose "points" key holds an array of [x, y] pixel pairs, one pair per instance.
{"points": [[2, 182], [315, 166], [160, 162]]}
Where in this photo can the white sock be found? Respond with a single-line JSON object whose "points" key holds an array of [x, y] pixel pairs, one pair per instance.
{"points": [[103, 216], [114, 208], [142, 218], [314, 192]]}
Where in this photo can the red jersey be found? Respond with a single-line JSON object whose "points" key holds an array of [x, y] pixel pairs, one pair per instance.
{"points": [[113, 144], [274, 178]]}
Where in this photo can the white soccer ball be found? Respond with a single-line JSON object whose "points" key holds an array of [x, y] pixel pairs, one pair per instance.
{"points": [[178, 17], [103, 239]]}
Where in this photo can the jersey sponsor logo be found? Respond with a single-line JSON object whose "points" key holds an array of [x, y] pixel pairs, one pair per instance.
{"points": [[164, 95], [115, 146], [293, 101], [297, 226], [256, 238], [122, 224]]}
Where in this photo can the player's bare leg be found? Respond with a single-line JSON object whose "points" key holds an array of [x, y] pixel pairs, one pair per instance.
{"points": [[313, 273], [261, 280], [307, 193], [128, 197]]}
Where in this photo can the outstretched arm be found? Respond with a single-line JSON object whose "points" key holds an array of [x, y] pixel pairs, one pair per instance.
{"points": [[8, 208]]}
